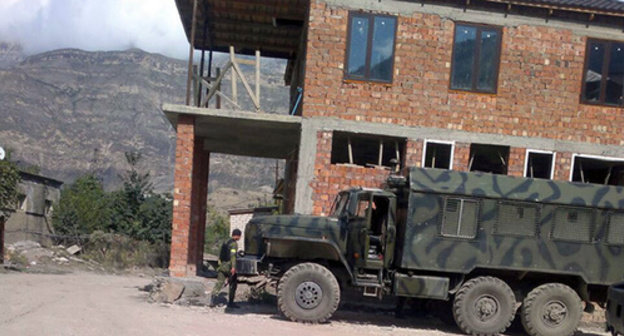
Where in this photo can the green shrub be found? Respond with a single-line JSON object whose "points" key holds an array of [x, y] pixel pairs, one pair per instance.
{"points": [[119, 251]]}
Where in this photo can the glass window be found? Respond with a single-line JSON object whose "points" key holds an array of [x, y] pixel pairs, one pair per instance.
{"points": [[476, 54], [370, 54], [358, 46], [604, 64]]}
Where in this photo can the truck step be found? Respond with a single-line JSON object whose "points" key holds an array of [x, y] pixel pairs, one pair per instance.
{"points": [[372, 292]]}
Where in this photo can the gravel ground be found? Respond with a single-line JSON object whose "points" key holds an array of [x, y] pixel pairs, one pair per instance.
{"points": [[93, 304]]}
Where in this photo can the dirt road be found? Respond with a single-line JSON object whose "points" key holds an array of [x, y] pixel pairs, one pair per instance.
{"points": [[88, 304]]}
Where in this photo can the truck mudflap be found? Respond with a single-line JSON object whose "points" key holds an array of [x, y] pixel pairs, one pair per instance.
{"points": [[421, 286], [615, 305], [248, 265]]}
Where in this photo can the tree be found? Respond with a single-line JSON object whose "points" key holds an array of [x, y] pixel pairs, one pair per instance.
{"points": [[217, 230], [9, 188], [84, 207], [138, 212]]}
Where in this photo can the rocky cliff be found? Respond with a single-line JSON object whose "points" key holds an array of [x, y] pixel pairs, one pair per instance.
{"points": [[70, 112]]}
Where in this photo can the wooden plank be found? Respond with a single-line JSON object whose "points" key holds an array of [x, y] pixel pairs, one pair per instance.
{"points": [[233, 62], [217, 84], [246, 85], [258, 76]]}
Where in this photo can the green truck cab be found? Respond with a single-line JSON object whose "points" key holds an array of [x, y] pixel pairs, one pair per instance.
{"points": [[493, 246]]}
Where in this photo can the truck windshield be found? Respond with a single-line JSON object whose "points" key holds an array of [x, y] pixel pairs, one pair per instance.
{"points": [[339, 204]]}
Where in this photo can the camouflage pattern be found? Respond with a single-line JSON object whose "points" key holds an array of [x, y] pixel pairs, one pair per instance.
{"points": [[421, 286], [595, 261], [615, 302], [227, 261], [414, 242]]}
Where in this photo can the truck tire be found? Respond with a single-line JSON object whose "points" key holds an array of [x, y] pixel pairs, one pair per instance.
{"points": [[551, 309], [484, 306], [308, 292]]}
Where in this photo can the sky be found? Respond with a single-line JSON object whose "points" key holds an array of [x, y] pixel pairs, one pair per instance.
{"points": [[42, 25]]}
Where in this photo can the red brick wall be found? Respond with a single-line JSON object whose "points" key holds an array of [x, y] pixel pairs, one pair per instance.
{"points": [[182, 195], [413, 153], [329, 179], [515, 165], [461, 156], [538, 93], [563, 164], [189, 200]]}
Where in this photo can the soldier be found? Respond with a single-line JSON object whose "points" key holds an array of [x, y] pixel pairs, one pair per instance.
{"points": [[227, 269]]}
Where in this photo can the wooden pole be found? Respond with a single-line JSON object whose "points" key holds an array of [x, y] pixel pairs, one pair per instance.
{"points": [[258, 77], [191, 51], [218, 103], [233, 60]]}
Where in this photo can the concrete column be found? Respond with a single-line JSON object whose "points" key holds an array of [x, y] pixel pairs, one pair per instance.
{"points": [[182, 194], [305, 167]]}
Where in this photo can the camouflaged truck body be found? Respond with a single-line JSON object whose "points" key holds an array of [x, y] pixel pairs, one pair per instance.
{"points": [[442, 227]]}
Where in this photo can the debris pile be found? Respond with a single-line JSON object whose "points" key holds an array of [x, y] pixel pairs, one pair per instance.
{"points": [[194, 292], [30, 255]]}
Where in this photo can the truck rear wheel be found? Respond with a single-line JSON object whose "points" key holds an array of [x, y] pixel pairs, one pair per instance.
{"points": [[308, 292], [551, 309], [484, 306]]}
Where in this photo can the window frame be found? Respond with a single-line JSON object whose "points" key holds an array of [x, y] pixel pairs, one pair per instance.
{"points": [[589, 156], [476, 65], [605, 66], [369, 48], [440, 142], [552, 166], [399, 150]]}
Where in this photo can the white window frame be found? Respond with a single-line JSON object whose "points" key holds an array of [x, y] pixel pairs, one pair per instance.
{"points": [[539, 151], [589, 156], [441, 142]]}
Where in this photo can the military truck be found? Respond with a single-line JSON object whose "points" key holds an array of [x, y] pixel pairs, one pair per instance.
{"points": [[613, 313], [493, 246]]}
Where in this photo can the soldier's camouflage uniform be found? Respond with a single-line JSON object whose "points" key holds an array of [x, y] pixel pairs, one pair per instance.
{"points": [[227, 261]]}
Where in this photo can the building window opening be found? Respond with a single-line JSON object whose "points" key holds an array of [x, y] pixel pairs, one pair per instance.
{"points": [[370, 49], [598, 170], [604, 73], [476, 57], [539, 165], [367, 150], [489, 159], [438, 155]]}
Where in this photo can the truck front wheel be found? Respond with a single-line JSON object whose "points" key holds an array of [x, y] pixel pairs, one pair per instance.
{"points": [[484, 306], [308, 292], [552, 309]]}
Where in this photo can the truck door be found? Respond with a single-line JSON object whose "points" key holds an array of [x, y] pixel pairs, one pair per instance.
{"points": [[381, 232]]}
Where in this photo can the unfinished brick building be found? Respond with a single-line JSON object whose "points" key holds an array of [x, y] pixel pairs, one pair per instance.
{"points": [[523, 87]]}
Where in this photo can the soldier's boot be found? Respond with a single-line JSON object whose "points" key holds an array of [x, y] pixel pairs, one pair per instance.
{"points": [[233, 305], [213, 301]]}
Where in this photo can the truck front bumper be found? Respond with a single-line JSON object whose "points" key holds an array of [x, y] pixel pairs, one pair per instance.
{"points": [[247, 265]]}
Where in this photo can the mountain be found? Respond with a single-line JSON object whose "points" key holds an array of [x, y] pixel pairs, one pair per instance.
{"points": [[70, 112], [10, 54]]}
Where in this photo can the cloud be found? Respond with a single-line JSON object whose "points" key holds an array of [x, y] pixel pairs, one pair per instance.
{"points": [[41, 25]]}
